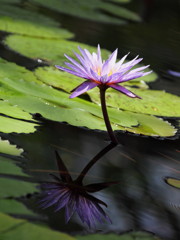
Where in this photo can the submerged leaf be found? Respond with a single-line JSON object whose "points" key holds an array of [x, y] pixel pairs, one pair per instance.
{"points": [[97, 10]]}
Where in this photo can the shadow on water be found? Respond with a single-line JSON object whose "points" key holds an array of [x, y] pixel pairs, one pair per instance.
{"points": [[142, 200]]}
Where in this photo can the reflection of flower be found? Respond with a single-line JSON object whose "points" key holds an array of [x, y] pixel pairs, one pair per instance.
{"points": [[74, 198], [103, 73]]}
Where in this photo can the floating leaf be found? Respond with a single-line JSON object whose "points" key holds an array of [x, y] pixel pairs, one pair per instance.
{"points": [[17, 229], [9, 125], [173, 182], [154, 102], [15, 188], [49, 50], [33, 96], [14, 111], [17, 20], [67, 82], [11, 206], [6, 147]]}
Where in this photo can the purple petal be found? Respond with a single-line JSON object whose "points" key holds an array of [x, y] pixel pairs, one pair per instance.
{"points": [[124, 91], [139, 69], [74, 62], [95, 75], [71, 72], [76, 69], [118, 64], [131, 76], [109, 63], [86, 58], [83, 62], [70, 207], [99, 58], [82, 88]]}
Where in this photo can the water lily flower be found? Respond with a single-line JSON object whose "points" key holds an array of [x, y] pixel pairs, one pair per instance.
{"points": [[103, 74], [74, 197]]}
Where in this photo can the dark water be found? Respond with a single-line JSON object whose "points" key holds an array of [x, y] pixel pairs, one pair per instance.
{"points": [[142, 200]]}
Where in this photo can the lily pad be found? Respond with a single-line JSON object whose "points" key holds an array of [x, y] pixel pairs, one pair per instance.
{"points": [[65, 81], [154, 102], [97, 10], [34, 96], [17, 20], [10, 125], [17, 229], [7, 148], [49, 50]]}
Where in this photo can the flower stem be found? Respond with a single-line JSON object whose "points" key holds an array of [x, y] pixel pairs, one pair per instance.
{"points": [[93, 161], [106, 117]]}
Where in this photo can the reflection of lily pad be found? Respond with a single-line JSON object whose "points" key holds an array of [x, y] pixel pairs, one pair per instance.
{"points": [[173, 182], [15, 188], [11, 206], [98, 10], [125, 236], [9, 167], [19, 229], [18, 20]]}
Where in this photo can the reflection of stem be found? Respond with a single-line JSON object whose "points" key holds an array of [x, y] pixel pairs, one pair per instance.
{"points": [[94, 160], [106, 117]]}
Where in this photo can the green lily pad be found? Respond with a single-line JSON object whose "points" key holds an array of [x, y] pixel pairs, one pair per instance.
{"points": [[6, 147], [49, 50], [9, 125], [173, 182], [14, 111], [17, 20], [34, 96], [94, 10], [63, 80], [9, 167], [17, 229], [125, 236], [154, 102], [11, 206]]}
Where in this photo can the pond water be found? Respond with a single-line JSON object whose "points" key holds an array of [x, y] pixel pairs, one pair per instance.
{"points": [[142, 200]]}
